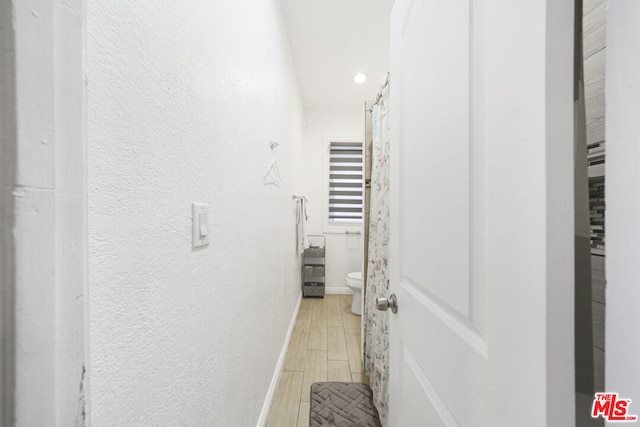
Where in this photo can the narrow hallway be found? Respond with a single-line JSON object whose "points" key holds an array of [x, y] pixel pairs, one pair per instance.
{"points": [[324, 346]]}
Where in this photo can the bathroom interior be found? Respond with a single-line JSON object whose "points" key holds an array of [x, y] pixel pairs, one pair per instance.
{"points": [[589, 106], [589, 207]]}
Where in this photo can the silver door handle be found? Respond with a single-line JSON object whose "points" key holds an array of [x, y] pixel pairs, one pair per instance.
{"points": [[383, 304]]}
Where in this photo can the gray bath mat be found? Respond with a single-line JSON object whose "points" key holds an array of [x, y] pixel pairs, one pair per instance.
{"points": [[342, 405]]}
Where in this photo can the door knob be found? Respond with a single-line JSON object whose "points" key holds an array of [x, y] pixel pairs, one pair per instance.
{"points": [[383, 304]]}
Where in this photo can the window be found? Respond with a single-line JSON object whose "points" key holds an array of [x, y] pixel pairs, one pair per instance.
{"points": [[345, 182]]}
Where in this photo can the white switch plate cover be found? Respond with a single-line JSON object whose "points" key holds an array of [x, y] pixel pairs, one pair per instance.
{"points": [[200, 220]]}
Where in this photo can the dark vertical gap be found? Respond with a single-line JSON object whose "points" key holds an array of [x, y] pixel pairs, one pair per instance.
{"points": [[583, 298], [583, 316], [8, 160]]}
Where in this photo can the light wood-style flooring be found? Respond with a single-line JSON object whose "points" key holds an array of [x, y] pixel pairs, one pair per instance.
{"points": [[324, 346]]}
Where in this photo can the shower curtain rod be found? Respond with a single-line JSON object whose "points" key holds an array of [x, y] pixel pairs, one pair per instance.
{"points": [[386, 83]]}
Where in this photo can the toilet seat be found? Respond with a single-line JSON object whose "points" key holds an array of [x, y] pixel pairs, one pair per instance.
{"points": [[354, 279]]}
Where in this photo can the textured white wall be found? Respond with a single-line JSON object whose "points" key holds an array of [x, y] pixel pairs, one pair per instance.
{"points": [[344, 252], [183, 99]]}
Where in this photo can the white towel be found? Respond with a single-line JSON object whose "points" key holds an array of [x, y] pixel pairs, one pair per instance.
{"points": [[301, 219]]}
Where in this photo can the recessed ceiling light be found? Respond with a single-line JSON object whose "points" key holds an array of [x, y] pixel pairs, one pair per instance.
{"points": [[360, 78]]}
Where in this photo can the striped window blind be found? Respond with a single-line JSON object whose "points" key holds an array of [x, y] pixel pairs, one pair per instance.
{"points": [[345, 182]]}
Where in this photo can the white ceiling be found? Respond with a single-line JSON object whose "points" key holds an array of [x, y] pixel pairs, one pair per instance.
{"points": [[332, 40]]}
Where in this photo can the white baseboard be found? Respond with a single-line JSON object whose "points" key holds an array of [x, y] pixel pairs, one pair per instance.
{"points": [[337, 290], [276, 374]]}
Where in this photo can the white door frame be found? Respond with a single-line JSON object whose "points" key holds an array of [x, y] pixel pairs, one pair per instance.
{"points": [[623, 202], [44, 237], [7, 180]]}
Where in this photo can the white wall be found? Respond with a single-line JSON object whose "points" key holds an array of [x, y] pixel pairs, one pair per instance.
{"points": [[344, 252], [43, 221], [623, 201], [183, 99]]}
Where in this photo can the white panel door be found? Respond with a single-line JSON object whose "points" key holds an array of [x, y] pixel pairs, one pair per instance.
{"points": [[481, 213]]}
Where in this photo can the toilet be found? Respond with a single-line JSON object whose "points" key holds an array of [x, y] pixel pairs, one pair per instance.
{"points": [[354, 282]]}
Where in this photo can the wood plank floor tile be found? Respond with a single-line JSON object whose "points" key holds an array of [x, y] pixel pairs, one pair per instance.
{"points": [[351, 323], [324, 346], [318, 335], [306, 303], [305, 312], [345, 303], [315, 371], [334, 312], [359, 378], [303, 414], [296, 352], [354, 352], [303, 322], [338, 370], [286, 401], [336, 343], [319, 310]]}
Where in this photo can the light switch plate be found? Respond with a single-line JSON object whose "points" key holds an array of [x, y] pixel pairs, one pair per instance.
{"points": [[200, 220]]}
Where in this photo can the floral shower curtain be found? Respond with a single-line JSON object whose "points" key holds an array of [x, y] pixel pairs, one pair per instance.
{"points": [[376, 323]]}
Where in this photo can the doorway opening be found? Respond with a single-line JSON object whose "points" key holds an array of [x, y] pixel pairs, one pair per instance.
{"points": [[590, 50]]}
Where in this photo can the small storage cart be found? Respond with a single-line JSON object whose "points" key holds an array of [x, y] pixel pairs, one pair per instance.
{"points": [[313, 267]]}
